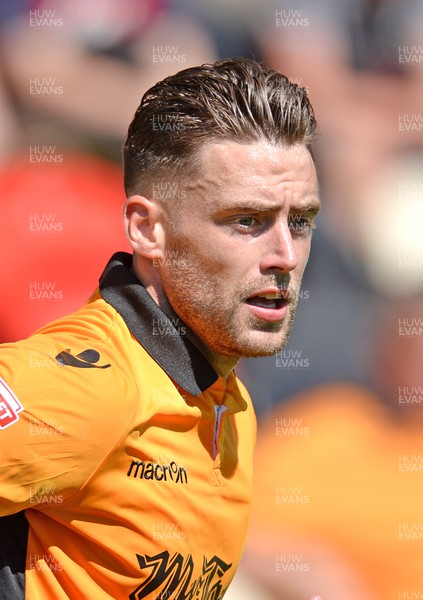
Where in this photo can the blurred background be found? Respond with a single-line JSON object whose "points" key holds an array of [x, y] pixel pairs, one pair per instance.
{"points": [[339, 464]]}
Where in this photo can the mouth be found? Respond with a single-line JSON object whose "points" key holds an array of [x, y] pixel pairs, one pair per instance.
{"points": [[272, 300]]}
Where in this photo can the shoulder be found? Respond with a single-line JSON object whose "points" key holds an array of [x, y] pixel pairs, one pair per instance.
{"points": [[67, 400], [75, 369]]}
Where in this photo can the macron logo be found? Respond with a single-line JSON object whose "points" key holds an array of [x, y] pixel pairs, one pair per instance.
{"points": [[138, 469]]}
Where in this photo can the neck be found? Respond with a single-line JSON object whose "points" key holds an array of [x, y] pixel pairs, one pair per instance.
{"points": [[222, 364]]}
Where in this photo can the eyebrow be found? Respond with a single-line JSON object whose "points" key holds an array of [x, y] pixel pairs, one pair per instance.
{"points": [[309, 207]]}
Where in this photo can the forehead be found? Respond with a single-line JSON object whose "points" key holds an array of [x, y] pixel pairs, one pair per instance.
{"points": [[260, 168]]}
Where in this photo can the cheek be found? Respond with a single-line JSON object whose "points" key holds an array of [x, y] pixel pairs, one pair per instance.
{"points": [[203, 253]]}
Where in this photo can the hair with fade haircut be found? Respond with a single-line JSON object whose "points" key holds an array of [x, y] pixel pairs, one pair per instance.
{"points": [[233, 99]]}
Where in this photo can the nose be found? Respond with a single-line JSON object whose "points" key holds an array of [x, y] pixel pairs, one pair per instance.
{"points": [[279, 249]]}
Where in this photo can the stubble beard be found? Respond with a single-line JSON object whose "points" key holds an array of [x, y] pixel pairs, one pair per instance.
{"points": [[213, 322]]}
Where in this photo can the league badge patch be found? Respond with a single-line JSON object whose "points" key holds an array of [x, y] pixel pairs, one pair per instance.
{"points": [[9, 406]]}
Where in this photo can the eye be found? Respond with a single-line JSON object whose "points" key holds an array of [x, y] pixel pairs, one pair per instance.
{"points": [[246, 221], [248, 224], [301, 224]]}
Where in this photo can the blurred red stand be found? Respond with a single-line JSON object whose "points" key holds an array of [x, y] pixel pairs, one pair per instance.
{"points": [[59, 224]]}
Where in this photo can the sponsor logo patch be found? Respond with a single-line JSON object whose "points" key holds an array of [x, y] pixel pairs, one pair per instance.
{"points": [[9, 406], [172, 577]]}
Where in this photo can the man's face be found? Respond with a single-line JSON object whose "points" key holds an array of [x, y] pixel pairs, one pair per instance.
{"points": [[237, 246]]}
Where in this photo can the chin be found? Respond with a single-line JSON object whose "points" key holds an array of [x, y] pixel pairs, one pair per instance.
{"points": [[260, 352], [254, 348]]}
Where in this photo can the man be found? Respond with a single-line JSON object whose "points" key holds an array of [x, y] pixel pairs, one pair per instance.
{"points": [[126, 454]]}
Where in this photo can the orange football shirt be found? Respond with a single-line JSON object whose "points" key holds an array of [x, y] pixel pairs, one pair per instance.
{"points": [[126, 461]]}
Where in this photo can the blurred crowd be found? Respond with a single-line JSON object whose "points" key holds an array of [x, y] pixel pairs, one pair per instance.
{"points": [[339, 463]]}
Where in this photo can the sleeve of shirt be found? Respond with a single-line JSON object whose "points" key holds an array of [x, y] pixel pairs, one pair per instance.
{"points": [[60, 416]]}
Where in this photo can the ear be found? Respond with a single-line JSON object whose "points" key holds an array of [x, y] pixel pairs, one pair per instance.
{"points": [[143, 220]]}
